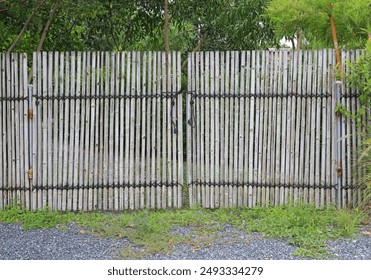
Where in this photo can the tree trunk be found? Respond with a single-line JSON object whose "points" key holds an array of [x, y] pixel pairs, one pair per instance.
{"points": [[336, 45], [19, 37], [196, 49], [299, 44], [292, 42]]}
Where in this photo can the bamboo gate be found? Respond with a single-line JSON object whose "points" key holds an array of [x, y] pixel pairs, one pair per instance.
{"points": [[115, 130]]}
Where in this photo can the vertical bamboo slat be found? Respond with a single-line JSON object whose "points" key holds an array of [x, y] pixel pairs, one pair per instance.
{"points": [[3, 114], [264, 92], [285, 121], [275, 116], [251, 129], [16, 196], [172, 189], [56, 139], [270, 90], [335, 137], [223, 178], [290, 128], [165, 124], [92, 171], [318, 140], [159, 175], [127, 133], [116, 92], [306, 112], [297, 65], [236, 187], [143, 131], [77, 195], [227, 130], [131, 166], [278, 128], [110, 90], [190, 161], [148, 156], [205, 87], [26, 131], [312, 87], [84, 133], [137, 141], [232, 113], [259, 130], [217, 120], [154, 147], [327, 128], [212, 128], [100, 128], [345, 136], [240, 167], [180, 120]]}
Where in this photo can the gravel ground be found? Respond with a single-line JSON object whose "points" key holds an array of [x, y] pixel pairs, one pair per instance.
{"points": [[54, 244]]}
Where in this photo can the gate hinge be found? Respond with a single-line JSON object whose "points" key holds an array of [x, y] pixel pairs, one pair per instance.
{"points": [[30, 174], [30, 114]]}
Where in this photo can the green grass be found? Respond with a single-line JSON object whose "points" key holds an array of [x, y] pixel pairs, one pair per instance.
{"points": [[363, 166], [148, 230]]}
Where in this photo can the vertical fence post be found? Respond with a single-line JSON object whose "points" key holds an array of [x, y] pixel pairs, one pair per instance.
{"points": [[338, 92], [30, 140]]}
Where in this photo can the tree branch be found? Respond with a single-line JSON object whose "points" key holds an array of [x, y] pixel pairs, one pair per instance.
{"points": [[292, 42], [19, 37], [112, 31], [196, 49], [45, 32], [47, 25], [127, 33]]}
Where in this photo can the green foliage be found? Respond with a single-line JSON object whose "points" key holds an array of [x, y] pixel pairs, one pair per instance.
{"points": [[364, 164], [311, 19], [117, 25], [152, 231], [225, 24], [79, 25], [360, 78]]}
